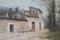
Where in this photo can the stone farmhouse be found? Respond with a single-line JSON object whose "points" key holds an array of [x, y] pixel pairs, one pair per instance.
{"points": [[23, 21]]}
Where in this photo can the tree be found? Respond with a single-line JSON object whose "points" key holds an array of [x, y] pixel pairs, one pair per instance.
{"points": [[3, 11], [10, 11], [52, 16], [58, 19], [16, 9], [50, 5]]}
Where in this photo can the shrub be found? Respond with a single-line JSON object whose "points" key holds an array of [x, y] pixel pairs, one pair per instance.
{"points": [[54, 35]]}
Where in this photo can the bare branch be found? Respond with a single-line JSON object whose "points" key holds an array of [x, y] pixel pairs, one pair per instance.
{"points": [[45, 5]]}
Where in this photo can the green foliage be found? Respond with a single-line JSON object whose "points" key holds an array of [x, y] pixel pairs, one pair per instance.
{"points": [[16, 9], [9, 11], [51, 14], [51, 17], [54, 35]]}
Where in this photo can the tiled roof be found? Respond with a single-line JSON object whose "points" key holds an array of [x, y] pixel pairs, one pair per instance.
{"points": [[13, 19], [30, 16]]}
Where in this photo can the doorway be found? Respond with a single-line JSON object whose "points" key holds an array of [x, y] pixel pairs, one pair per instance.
{"points": [[33, 26], [11, 28]]}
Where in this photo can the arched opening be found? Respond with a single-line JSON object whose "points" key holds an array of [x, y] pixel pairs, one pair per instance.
{"points": [[33, 26]]}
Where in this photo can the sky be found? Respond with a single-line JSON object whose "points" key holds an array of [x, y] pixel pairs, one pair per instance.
{"points": [[23, 4]]}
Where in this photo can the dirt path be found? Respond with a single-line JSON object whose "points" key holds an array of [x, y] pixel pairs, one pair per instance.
{"points": [[43, 35], [24, 36]]}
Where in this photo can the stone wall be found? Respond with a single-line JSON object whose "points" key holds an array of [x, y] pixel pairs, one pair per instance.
{"points": [[37, 25], [18, 25]]}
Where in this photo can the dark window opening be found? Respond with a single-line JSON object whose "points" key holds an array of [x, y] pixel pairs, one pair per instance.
{"points": [[11, 28]]}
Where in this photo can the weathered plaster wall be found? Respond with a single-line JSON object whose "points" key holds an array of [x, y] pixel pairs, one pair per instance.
{"points": [[18, 25], [36, 20]]}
